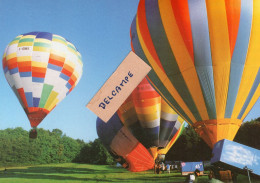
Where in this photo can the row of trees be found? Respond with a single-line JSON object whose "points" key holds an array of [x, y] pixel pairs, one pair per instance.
{"points": [[50, 147], [55, 147]]}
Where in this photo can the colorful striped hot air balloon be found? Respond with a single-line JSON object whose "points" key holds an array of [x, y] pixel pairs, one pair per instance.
{"points": [[151, 120], [205, 59], [120, 142], [42, 69]]}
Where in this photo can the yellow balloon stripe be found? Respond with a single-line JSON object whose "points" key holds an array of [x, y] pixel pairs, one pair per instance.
{"points": [[148, 110], [220, 49], [163, 77], [10, 56], [252, 63], [252, 102], [146, 118], [39, 64], [166, 108], [52, 101], [24, 58], [183, 59]]}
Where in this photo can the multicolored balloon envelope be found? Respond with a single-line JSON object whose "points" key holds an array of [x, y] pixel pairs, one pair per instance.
{"points": [[120, 142], [151, 120], [42, 69], [205, 59]]}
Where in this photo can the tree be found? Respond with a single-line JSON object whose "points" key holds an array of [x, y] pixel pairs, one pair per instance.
{"points": [[189, 147]]}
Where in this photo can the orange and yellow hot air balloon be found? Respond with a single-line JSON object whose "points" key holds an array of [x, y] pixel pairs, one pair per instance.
{"points": [[205, 59], [151, 120]]}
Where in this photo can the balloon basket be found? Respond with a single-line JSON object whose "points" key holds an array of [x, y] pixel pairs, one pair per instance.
{"points": [[33, 133]]}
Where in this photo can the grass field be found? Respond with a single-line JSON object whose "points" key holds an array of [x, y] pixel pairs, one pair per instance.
{"points": [[72, 172]]}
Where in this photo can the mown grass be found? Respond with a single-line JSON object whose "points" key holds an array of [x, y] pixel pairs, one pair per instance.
{"points": [[72, 172]]}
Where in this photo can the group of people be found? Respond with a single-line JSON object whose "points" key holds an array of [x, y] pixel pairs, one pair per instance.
{"points": [[161, 168]]}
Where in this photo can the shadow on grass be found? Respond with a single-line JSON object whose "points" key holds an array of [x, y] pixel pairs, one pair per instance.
{"points": [[61, 173]]}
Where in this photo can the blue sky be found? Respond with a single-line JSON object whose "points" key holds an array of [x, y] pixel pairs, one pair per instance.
{"points": [[100, 31]]}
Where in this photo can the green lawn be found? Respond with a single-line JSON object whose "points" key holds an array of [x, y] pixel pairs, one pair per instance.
{"points": [[72, 172]]}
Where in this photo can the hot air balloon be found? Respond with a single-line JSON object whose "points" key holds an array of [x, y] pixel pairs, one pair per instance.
{"points": [[123, 146], [205, 59], [151, 120], [42, 69]]}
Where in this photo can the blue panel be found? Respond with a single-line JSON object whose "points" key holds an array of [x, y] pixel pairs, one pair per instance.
{"points": [[36, 102], [107, 131], [236, 156], [5, 69], [137, 130], [166, 129], [64, 76], [38, 80], [13, 71], [26, 74], [45, 35], [31, 33], [54, 67], [239, 55], [216, 152], [202, 53], [29, 99], [68, 85], [191, 166], [250, 95], [150, 137]]}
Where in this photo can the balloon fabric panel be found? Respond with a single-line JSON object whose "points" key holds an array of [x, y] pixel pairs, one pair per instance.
{"points": [[121, 143], [150, 119], [42, 68], [205, 59]]}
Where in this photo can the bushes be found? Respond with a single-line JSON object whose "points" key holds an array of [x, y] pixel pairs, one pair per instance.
{"points": [[50, 147]]}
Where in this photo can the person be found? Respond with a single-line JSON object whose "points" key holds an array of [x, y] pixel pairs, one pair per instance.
{"points": [[197, 172], [158, 167], [168, 168], [193, 177], [190, 178], [163, 167]]}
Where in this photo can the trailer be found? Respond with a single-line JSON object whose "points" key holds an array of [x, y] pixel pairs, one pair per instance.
{"points": [[236, 157], [190, 167]]}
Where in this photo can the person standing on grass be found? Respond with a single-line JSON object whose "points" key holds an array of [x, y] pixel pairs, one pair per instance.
{"points": [[168, 168]]}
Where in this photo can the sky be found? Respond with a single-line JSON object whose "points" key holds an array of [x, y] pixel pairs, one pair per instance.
{"points": [[100, 31]]}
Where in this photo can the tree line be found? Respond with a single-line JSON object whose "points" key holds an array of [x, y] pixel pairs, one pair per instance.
{"points": [[50, 147], [55, 147]]}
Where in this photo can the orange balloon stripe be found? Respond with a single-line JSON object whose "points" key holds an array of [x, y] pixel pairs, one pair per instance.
{"points": [[68, 68], [38, 72], [56, 60], [66, 72], [146, 34], [22, 96], [181, 12], [72, 80], [233, 8], [145, 95], [147, 102], [12, 63]]}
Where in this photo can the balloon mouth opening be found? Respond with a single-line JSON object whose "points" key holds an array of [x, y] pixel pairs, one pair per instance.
{"points": [[33, 133]]}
